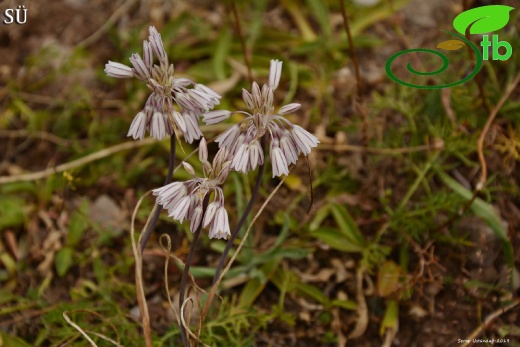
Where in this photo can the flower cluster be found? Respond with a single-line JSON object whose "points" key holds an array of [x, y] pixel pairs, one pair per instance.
{"points": [[184, 200], [287, 140], [160, 116]]}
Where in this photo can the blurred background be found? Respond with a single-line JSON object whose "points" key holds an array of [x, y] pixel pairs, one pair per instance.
{"points": [[393, 252]]}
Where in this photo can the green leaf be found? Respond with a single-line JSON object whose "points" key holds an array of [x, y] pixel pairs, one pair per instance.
{"points": [[77, 226], [255, 286], [485, 211], [319, 217], [388, 278], [391, 317], [11, 211], [6, 296], [347, 225], [320, 10], [63, 260], [336, 240], [346, 304], [11, 341], [484, 19], [221, 52], [313, 293]]}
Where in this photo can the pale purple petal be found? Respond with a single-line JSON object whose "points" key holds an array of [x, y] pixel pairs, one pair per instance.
{"points": [[147, 54], [275, 72], [179, 120], [210, 213], [158, 126], [256, 155], [303, 139], [241, 159], [220, 226], [140, 67], [248, 99], [192, 128], [157, 45], [289, 108], [214, 117], [279, 162], [118, 70], [203, 150], [257, 95], [138, 126], [228, 137], [207, 90], [196, 218], [180, 211], [188, 168]]}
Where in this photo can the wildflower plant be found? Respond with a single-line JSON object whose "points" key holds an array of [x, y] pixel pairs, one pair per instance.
{"points": [[287, 140], [174, 107], [184, 200]]}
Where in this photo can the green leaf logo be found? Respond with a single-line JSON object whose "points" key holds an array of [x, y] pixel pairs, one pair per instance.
{"points": [[483, 19], [451, 45]]}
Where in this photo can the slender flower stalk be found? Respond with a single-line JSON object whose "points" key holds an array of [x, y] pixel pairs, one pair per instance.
{"points": [[286, 140], [190, 201], [186, 271]]}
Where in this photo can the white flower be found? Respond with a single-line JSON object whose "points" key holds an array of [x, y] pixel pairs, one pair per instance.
{"points": [[180, 210], [215, 117], [184, 200], [278, 160], [220, 227], [138, 127], [275, 72], [118, 70], [243, 139], [303, 139], [180, 101]]}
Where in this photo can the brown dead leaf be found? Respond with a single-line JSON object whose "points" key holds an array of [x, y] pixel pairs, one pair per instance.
{"points": [[336, 325], [50, 245], [340, 270], [362, 308], [11, 243], [322, 276]]}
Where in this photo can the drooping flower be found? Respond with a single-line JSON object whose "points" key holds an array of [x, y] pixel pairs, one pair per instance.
{"points": [[175, 104], [184, 200], [287, 140]]}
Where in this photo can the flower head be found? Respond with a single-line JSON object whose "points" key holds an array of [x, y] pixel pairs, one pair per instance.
{"points": [[175, 104], [287, 141], [184, 200]]}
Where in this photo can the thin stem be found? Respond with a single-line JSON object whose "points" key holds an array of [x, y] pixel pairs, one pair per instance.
{"points": [[186, 271], [359, 105], [353, 55], [242, 41], [157, 208], [242, 220]]}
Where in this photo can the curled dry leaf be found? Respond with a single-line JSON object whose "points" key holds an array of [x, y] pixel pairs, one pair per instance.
{"points": [[362, 308]]}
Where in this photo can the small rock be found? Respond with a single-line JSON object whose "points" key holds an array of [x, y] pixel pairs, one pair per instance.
{"points": [[105, 212]]}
